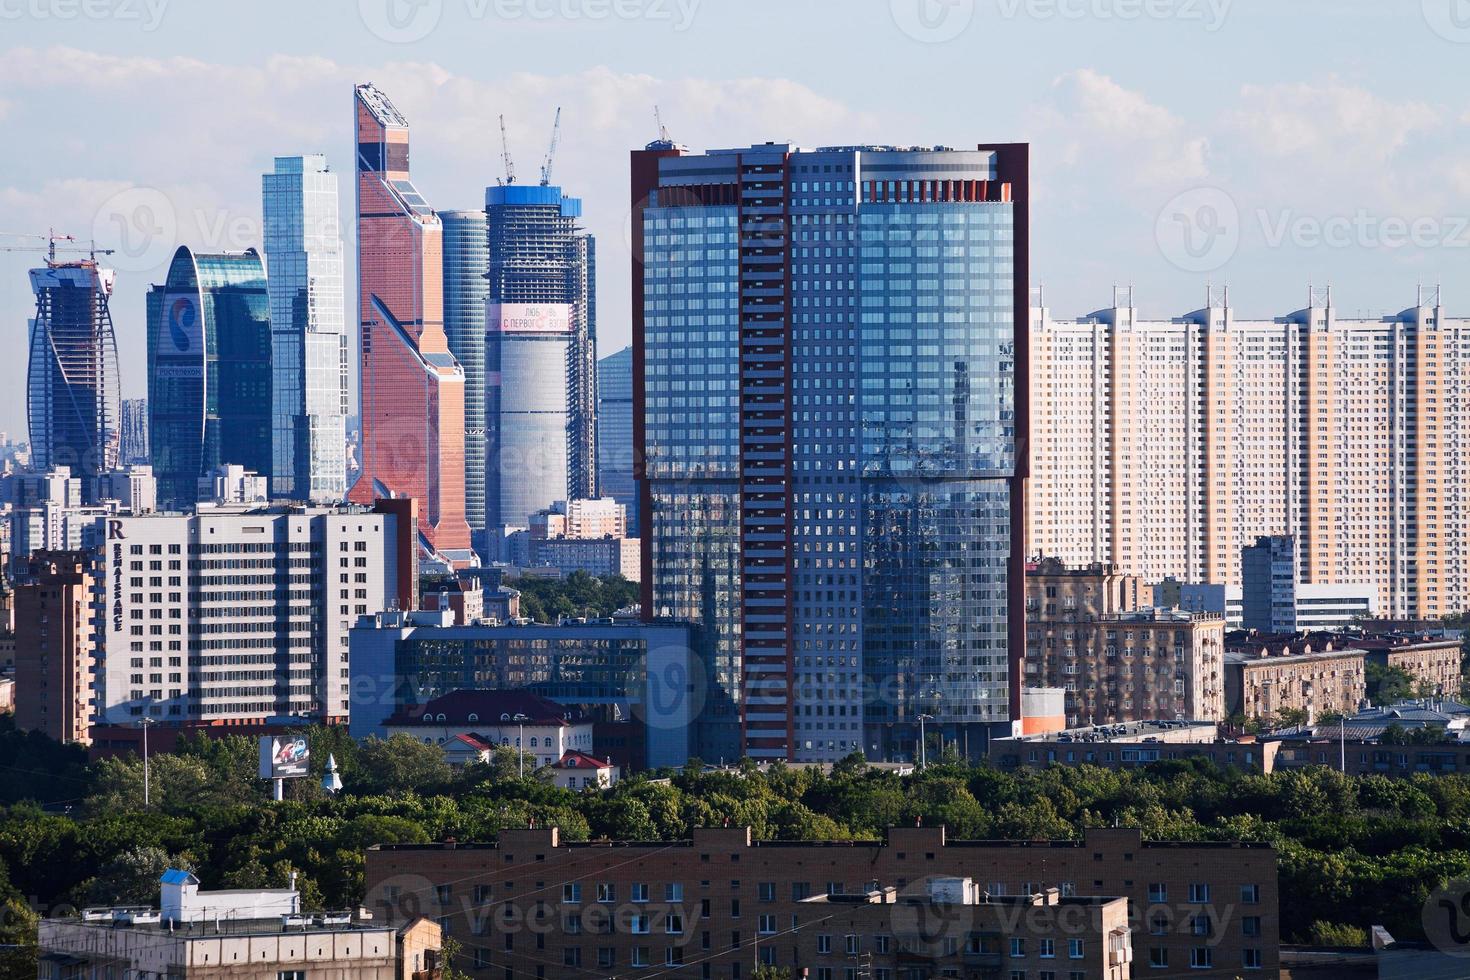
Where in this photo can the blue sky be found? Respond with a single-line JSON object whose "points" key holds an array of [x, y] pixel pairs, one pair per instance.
{"points": [[1259, 143]]}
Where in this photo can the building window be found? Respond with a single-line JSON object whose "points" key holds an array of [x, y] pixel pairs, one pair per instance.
{"points": [[1018, 946], [1250, 894], [1201, 958], [1158, 892], [1158, 957], [1199, 892], [571, 893], [1250, 958], [1074, 949]]}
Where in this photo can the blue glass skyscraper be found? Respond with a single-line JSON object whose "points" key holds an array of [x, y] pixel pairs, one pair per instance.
{"points": [[466, 266], [303, 250], [829, 378], [615, 433], [209, 370]]}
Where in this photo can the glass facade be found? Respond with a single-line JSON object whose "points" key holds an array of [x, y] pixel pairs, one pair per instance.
{"points": [[412, 403], [303, 248], [615, 433], [72, 379], [209, 371], [466, 265], [874, 405]]}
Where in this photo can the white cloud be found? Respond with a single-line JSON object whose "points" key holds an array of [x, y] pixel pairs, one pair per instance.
{"points": [[1090, 123]]}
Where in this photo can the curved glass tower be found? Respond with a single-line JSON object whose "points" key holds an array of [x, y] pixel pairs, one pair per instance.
{"points": [[72, 383], [466, 264], [209, 370]]}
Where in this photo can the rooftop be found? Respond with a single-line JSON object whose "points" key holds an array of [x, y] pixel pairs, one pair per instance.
{"points": [[482, 708], [1132, 731]]}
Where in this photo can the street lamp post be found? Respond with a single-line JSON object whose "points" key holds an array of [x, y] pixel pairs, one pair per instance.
{"points": [[146, 780], [923, 754]]}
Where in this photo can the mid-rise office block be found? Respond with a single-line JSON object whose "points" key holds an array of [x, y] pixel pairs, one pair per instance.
{"points": [[242, 614], [615, 433], [1268, 584], [1338, 606], [412, 403], [303, 250], [610, 671], [55, 646], [721, 903], [1165, 446], [209, 370], [133, 487], [72, 385], [829, 379], [466, 285], [47, 514]]}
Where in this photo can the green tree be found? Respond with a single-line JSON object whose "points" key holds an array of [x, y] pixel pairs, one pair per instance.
{"points": [[399, 764], [132, 878], [1337, 934], [1387, 685]]}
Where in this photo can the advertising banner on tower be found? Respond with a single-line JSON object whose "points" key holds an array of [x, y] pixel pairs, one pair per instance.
{"points": [[181, 337], [528, 318]]}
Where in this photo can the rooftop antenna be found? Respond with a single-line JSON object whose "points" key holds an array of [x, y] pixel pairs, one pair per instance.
{"points": [[551, 151], [510, 167]]}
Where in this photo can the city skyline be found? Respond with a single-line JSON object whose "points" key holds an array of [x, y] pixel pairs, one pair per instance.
{"points": [[1306, 148]]}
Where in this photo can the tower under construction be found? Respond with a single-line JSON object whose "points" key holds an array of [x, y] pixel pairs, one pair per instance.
{"points": [[72, 379]]}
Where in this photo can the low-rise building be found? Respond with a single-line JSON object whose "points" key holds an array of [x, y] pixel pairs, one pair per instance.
{"points": [[721, 902], [1434, 662], [1132, 745], [1311, 674], [542, 729], [579, 771], [244, 934]]}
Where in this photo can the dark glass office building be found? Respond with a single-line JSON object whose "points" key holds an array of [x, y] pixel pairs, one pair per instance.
{"points": [[466, 265], [829, 379], [209, 370]]}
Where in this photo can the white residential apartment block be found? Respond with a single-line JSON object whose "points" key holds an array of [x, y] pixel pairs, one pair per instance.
{"points": [[239, 613], [1165, 446]]}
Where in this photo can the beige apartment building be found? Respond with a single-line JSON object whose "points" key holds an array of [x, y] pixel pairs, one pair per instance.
{"points": [[1264, 679], [1164, 446], [55, 646], [1090, 632]]}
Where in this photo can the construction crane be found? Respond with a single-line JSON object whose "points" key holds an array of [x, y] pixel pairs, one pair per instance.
{"points": [[663, 131], [51, 238], [510, 167], [551, 151]]}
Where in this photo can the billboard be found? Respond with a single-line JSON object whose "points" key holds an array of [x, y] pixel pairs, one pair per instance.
{"points": [[284, 757], [183, 326], [528, 317]]}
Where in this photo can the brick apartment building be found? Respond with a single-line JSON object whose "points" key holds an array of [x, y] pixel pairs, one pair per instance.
{"points": [[534, 905], [1092, 632], [55, 646]]}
